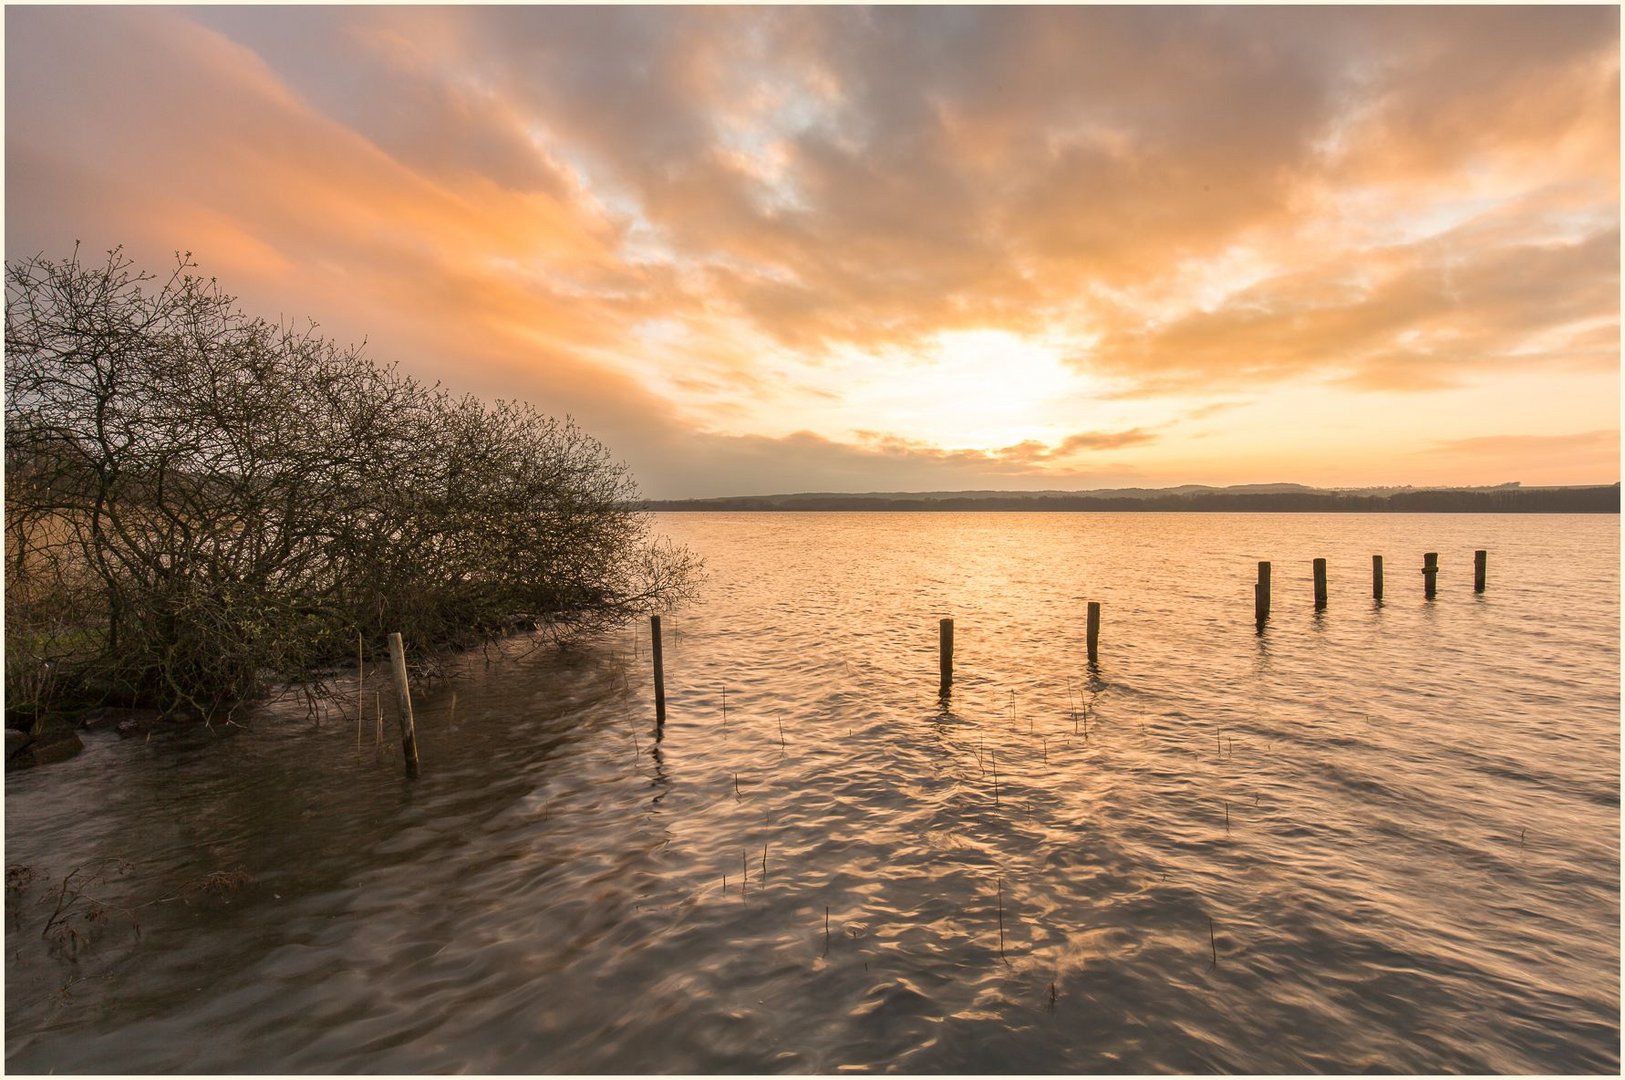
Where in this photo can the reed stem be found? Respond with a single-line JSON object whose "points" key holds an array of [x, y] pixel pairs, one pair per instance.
{"points": [[1001, 918]]}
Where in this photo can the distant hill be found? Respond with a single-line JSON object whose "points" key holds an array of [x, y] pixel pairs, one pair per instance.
{"points": [[1275, 498]]}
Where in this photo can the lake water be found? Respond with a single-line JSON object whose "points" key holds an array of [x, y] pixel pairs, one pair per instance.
{"points": [[1373, 838]]}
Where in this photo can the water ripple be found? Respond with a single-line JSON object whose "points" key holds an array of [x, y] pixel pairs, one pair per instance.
{"points": [[1377, 838]]}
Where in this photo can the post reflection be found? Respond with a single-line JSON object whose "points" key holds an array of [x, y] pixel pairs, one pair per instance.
{"points": [[660, 781], [1096, 683]]}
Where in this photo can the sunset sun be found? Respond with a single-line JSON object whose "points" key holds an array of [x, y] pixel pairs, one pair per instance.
{"points": [[971, 390]]}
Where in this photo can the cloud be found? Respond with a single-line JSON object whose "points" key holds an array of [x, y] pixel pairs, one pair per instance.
{"points": [[1600, 442], [1212, 408], [1017, 458], [1409, 317], [1582, 457], [701, 466], [871, 175], [303, 215], [1479, 85], [1073, 446], [659, 219]]}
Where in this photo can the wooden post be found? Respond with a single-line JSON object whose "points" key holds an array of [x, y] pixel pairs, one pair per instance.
{"points": [[1094, 631], [403, 696], [945, 653], [1261, 594], [1376, 577], [1430, 573], [660, 669], [1320, 584], [1480, 558]]}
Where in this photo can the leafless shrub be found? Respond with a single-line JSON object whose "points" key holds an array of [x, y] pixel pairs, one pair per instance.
{"points": [[200, 503]]}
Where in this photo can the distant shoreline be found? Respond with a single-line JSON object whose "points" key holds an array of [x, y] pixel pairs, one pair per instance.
{"points": [[1506, 499]]}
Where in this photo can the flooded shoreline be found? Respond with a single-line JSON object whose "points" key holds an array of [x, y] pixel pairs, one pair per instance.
{"points": [[1373, 838]]}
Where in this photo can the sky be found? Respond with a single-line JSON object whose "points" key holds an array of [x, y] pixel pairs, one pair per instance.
{"points": [[782, 249]]}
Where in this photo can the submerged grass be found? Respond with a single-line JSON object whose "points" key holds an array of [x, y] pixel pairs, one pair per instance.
{"points": [[1001, 920]]}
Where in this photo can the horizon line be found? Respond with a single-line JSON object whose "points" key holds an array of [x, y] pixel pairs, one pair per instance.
{"points": [[1512, 485]]}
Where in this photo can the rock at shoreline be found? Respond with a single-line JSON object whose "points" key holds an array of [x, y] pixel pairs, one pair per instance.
{"points": [[60, 739], [52, 745]]}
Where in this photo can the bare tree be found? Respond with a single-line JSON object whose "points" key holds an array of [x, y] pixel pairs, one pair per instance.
{"points": [[199, 503]]}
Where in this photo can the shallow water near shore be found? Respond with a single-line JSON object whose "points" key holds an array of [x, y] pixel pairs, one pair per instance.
{"points": [[1374, 838]]}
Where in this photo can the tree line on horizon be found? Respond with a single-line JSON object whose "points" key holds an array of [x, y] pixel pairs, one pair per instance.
{"points": [[1506, 499]]}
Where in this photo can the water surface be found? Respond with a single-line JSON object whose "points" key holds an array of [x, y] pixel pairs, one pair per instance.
{"points": [[1380, 837]]}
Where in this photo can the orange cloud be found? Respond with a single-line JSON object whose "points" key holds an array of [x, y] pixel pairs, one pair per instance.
{"points": [[1419, 317], [1583, 457], [266, 186], [661, 218]]}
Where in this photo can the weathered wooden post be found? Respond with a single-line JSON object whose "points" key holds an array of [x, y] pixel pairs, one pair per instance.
{"points": [[1261, 594], [945, 654], [660, 669], [1480, 558], [1320, 584], [403, 695], [1094, 631], [1376, 577], [1430, 573]]}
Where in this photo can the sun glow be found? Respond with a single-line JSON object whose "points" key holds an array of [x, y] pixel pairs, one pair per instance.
{"points": [[973, 390]]}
